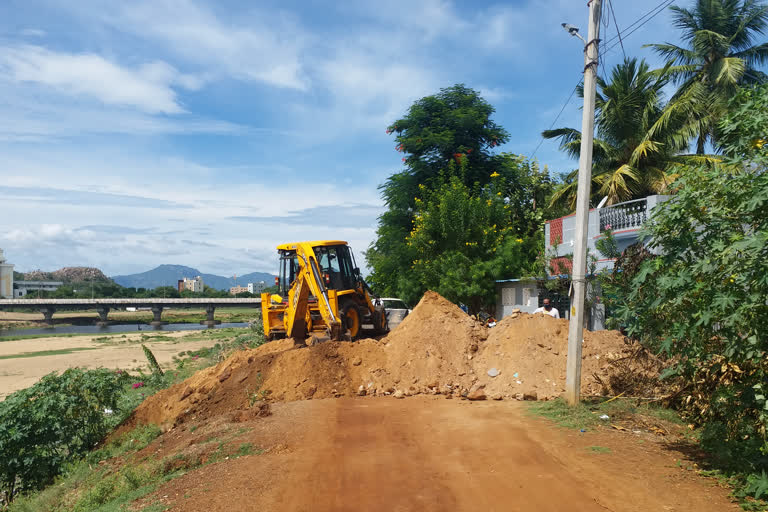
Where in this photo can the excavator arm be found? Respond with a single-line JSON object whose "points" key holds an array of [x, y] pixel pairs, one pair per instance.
{"points": [[309, 282]]}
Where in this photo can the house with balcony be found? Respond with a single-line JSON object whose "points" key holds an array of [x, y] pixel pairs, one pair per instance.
{"points": [[624, 219]]}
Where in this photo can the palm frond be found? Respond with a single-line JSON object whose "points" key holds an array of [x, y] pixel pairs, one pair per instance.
{"points": [[727, 72]]}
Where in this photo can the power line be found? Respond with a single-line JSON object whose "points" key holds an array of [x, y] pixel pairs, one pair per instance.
{"points": [[642, 20], [630, 29], [570, 96], [618, 31]]}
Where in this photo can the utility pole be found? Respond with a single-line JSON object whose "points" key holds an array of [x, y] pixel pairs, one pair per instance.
{"points": [[579, 283]]}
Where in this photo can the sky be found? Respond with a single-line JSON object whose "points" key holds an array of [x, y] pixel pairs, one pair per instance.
{"points": [[204, 133]]}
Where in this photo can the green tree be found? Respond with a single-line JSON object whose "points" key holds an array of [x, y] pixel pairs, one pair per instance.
{"points": [[464, 239], [720, 55], [626, 163], [703, 298], [445, 132]]}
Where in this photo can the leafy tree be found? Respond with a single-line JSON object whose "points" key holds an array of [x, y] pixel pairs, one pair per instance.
{"points": [[703, 299], [720, 55], [626, 163], [465, 238], [449, 138], [451, 125]]}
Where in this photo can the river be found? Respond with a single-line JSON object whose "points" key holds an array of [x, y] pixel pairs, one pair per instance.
{"points": [[114, 328]]}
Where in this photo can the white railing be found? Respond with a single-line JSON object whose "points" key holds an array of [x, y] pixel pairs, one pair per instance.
{"points": [[627, 215]]}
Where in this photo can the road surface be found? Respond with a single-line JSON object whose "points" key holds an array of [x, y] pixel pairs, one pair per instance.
{"points": [[433, 454]]}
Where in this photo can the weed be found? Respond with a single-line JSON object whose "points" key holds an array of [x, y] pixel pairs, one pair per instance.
{"points": [[245, 449], [599, 449]]}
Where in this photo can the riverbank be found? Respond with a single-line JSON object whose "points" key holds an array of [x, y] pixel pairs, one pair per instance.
{"points": [[24, 361]]}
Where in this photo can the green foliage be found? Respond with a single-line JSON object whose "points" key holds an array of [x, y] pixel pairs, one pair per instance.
{"points": [[448, 140], [703, 300], [744, 128], [153, 364], [627, 164], [444, 136], [44, 426], [464, 239], [454, 121], [719, 56]]}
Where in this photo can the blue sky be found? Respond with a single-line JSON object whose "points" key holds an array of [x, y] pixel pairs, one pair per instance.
{"points": [[204, 133]]}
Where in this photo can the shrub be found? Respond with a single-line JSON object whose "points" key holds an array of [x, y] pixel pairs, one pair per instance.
{"points": [[58, 418]]}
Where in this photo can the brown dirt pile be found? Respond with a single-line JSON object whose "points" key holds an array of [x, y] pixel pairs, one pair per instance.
{"points": [[529, 352], [436, 349]]}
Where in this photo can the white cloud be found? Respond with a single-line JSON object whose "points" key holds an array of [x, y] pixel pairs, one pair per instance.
{"points": [[260, 47], [32, 32], [148, 88]]}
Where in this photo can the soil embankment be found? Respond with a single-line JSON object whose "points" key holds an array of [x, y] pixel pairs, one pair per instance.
{"points": [[437, 349]]}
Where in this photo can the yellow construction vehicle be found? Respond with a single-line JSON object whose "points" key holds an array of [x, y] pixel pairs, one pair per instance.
{"points": [[320, 293]]}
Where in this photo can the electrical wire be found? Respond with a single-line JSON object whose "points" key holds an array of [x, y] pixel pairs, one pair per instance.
{"points": [[618, 31], [629, 30], [570, 96]]}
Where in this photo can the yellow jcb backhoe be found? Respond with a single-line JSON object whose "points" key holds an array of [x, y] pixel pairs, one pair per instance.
{"points": [[320, 293]]}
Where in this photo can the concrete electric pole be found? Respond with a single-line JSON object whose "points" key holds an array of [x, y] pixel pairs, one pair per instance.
{"points": [[576, 326]]}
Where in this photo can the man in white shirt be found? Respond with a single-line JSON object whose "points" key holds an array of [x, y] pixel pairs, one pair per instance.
{"points": [[548, 310]]}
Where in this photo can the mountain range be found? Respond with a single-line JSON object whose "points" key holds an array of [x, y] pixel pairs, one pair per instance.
{"points": [[169, 275]]}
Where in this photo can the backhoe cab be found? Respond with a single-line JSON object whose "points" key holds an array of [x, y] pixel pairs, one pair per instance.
{"points": [[321, 293]]}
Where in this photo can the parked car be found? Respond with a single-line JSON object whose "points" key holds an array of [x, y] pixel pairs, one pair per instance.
{"points": [[397, 310]]}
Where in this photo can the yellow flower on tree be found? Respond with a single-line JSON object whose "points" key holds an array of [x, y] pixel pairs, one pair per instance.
{"points": [[495, 175]]}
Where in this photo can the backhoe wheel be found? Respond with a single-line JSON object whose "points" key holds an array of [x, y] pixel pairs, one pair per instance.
{"points": [[380, 321], [352, 319]]}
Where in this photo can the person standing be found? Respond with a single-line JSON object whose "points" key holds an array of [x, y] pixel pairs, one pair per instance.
{"points": [[548, 309]]}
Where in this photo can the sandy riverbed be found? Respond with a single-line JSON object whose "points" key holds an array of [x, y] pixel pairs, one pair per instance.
{"points": [[21, 372]]}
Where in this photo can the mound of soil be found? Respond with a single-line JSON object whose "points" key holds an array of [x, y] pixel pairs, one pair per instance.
{"points": [[529, 353], [437, 349]]}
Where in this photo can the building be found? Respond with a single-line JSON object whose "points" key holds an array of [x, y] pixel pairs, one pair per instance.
{"points": [[6, 278], [238, 289], [193, 285], [22, 288], [623, 219], [257, 288]]}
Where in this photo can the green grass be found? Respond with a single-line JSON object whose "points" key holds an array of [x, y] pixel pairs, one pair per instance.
{"points": [[48, 352], [599, 449], [587, 414]]}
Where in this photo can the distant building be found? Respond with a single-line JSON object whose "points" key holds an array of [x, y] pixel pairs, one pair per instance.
{"points": [[193, 285], [22, 288], [256, 288], [238, 289], [6, 278]]}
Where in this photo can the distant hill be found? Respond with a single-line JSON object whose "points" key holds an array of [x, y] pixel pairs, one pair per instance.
{"points": [[169, 275], [68, 275]]}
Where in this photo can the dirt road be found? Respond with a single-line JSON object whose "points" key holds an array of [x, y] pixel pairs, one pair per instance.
{"points": [[432, 454]]}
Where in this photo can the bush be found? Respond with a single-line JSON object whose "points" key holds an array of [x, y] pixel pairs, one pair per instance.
{"points": [[703, 300], [58, 418]]}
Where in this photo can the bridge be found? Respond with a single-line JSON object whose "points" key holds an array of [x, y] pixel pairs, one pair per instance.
{"points": [[102, 306]]}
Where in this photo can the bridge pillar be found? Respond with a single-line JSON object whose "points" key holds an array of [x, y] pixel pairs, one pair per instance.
{"points": [[103, 311], [209, 320], [48, 312], [157, 312]]}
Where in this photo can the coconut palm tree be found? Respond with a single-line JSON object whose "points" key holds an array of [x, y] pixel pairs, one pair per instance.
{"points": [[626, 164], [720, 55]]}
